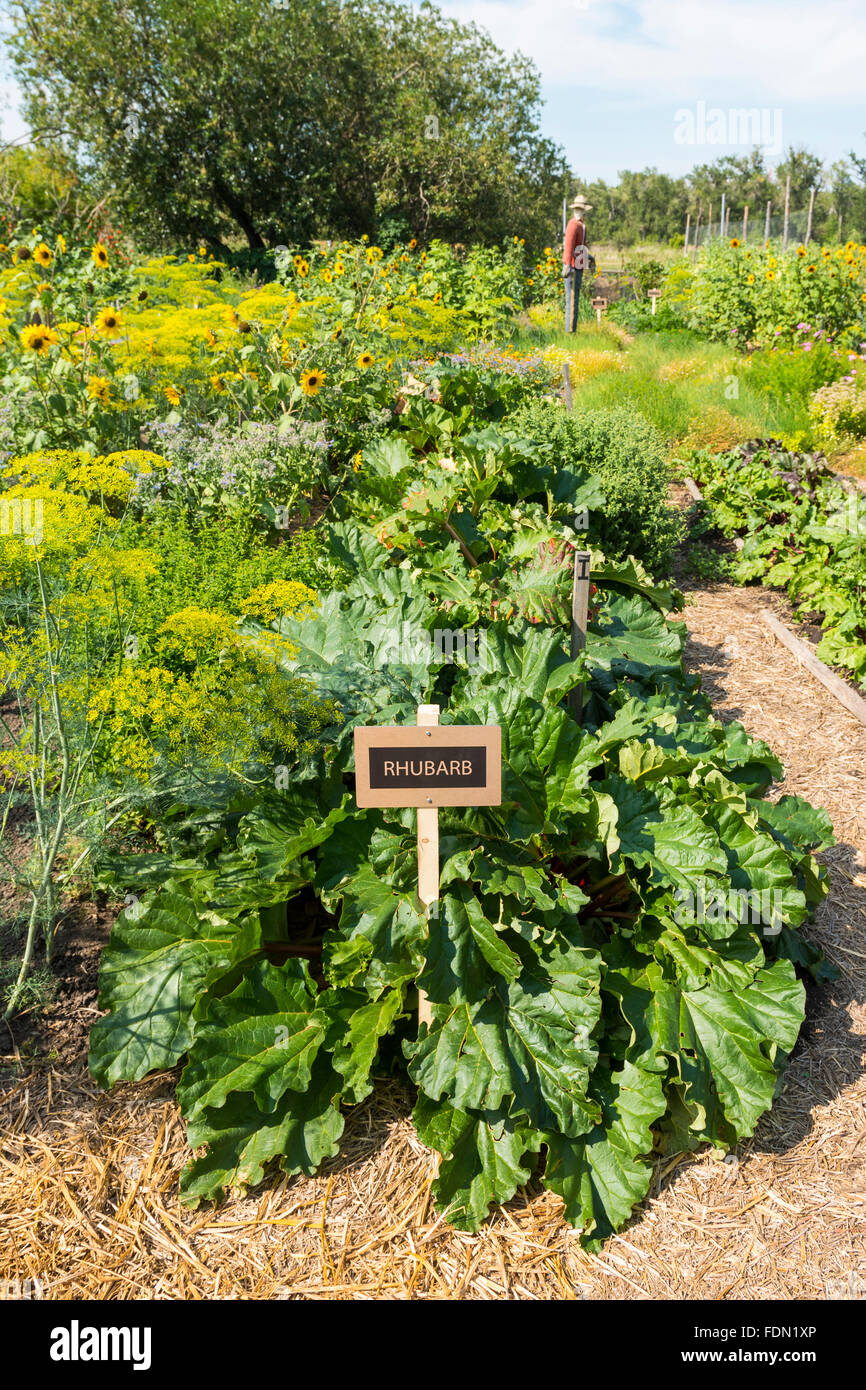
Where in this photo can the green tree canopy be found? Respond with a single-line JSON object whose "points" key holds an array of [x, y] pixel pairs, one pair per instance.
{"points": [[278, 120]]}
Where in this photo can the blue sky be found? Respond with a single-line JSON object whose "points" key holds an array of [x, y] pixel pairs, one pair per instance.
{"points": [[620, 76]]}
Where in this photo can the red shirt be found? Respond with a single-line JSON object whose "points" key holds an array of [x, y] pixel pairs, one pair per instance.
{"points": [[575, 235]]}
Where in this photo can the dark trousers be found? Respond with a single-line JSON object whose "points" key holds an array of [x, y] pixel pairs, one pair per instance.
{"points": [[573, 283]]}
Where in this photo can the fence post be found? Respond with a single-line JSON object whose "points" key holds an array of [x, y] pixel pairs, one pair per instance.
{"points": [[767, 222], [809, 223], [787, 212], [745, 221], [688, 227], [722, 218]]}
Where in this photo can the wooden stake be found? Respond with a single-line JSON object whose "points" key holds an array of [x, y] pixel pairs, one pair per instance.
{"points": [[688, 228], [745, 222], [787, 213], [566, 384], [428, 858], [767, 223], [579, 609], [809, 223]]}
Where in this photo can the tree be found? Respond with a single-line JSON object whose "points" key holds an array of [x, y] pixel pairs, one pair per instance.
{"points": [[278, 120]]}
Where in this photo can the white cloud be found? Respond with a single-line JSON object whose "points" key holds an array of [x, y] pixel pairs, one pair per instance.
{"points": [[757, 52]]}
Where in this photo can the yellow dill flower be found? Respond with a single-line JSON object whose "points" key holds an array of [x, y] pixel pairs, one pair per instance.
{"points": [[36, 337], [171, 394], [312, 382], [99, 255], [99, 389], [365, 359], [107, 321], [42, 256], [282, 596]]}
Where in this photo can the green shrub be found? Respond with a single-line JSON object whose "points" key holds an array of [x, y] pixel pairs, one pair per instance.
{"points": [[626, 453]]}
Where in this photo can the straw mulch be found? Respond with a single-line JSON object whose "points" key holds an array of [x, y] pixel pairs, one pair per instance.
{"points": [[88, 1181]]}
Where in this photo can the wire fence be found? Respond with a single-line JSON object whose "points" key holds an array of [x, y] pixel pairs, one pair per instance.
{"points": [[753, 227]]}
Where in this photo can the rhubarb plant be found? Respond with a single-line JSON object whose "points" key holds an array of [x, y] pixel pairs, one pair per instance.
{"points": [[614, 969]]}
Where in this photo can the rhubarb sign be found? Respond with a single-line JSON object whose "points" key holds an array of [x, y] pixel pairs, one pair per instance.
{"points": [[455, 765]]}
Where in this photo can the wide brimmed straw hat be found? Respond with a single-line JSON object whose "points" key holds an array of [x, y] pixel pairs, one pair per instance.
{"points": [[581, 205]]}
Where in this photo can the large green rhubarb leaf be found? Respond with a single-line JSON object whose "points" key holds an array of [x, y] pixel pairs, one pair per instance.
{"points": [[601, 1176], [527, 1038], [153, 969], [484, 1158], [303, 1129], [263, 1038]]}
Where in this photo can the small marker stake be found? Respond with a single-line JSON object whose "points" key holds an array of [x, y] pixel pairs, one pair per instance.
{"points": [[579, 611]]}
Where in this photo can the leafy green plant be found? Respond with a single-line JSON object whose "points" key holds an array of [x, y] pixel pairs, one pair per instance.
{"points": [[801, 531], [582, 1013], [625, 454]]}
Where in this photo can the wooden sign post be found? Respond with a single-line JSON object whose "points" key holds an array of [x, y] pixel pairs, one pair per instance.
{"points": [[599, 304], [579, 612], [654, 296], [427, 767]]}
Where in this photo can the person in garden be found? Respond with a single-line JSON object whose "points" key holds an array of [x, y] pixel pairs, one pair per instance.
{"points": [[574, 260]]}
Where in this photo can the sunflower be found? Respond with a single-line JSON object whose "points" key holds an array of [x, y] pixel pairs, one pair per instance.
{"points": [[107, 321], [202, 251], [365, 359], [735, 241], [191, 257], [218, 384], [42, 256], [303, 269], [810, 269], [99, 255], [172, 395], [61, 244], [327, 276], [412, 244], [40, 289], [751, 280], [36, 337], [801, 251], [339, 268], [211, 337], [98, 388], [849, 260], [312, 382], [771, 274]]}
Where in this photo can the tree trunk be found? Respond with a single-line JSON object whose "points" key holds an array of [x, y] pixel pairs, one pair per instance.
{"points": [[240, 214]]}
